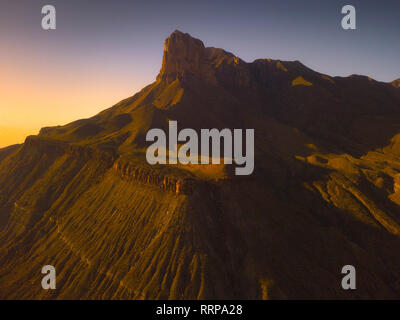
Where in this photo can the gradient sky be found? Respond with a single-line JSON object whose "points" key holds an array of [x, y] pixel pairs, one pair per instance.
{"points": [[104, 51]]}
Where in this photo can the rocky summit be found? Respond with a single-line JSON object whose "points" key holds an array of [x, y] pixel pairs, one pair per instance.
{"points": [[325, 191]]}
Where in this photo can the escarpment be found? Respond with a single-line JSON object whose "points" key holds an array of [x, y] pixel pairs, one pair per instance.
{"points": [[130, 171]]}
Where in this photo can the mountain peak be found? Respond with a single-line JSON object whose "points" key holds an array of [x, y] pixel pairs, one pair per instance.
{"points": [[183, 44], [183, 56]]}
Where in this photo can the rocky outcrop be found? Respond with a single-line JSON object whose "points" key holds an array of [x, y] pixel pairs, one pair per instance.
{"points": [[186, 57], [130, 171]]}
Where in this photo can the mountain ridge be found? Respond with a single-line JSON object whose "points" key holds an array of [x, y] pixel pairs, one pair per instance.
{"points": [[324, 193], [192, 61]]}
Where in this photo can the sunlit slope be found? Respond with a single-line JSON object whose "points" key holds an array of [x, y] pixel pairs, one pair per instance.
{"points": [[112, 236]]}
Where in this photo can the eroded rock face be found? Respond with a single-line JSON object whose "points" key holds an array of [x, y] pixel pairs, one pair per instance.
{"points": [[130, 171], [185, 56]]}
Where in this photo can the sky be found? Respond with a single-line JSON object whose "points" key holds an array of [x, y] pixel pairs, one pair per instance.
{"points": [[104, 51]]}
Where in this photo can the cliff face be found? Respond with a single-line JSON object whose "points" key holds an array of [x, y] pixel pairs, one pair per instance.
{"points": [[185, 56], [131, 172], [324, 193]]}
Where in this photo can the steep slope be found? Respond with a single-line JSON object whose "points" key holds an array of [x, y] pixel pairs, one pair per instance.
{"points": [[324, 193]]}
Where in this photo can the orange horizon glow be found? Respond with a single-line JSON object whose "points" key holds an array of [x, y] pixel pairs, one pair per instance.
{"points": [[36, 95], [12, 135]]}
